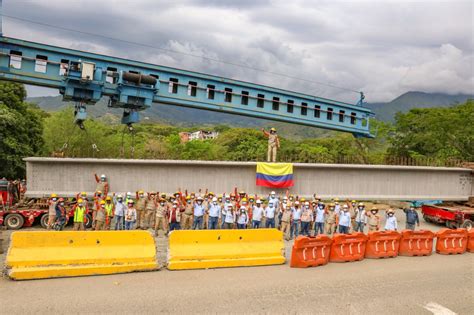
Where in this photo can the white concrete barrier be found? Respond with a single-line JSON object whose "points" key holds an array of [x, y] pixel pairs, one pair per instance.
{"points": [[68, 176]]}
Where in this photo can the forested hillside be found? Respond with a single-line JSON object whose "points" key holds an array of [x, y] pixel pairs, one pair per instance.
{"points": [[437, 135]]}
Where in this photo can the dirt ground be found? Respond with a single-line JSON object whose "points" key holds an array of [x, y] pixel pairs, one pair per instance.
{"points": [[436, 284]]}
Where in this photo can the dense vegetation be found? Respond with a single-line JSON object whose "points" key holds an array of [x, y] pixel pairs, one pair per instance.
{"points": [[438, 133]]}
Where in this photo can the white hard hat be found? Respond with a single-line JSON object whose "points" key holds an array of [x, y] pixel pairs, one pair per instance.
{"points": [[345, 206], [297, 202], [284, 198], [129, 193], [272, 193], [258, 201], [103, 176], [306, 203], [214, 199], [242, 208], [119, 196]]}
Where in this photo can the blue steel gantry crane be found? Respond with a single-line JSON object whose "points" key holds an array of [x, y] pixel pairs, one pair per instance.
{"points": [[85, 77]]}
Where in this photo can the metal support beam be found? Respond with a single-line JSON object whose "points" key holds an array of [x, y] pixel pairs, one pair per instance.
{"points": [[86, 77]]}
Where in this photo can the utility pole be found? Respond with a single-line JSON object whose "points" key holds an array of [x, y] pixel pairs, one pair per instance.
{"points": [[1, 16]]}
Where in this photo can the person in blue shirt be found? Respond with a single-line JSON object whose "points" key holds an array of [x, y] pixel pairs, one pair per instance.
{"points": [[344, 220], [198, 213], [412, 218], [60, 215], [214, 213]]}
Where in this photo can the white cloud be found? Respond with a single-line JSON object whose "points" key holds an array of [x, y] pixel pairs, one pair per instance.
{"points": [[384, 48]]}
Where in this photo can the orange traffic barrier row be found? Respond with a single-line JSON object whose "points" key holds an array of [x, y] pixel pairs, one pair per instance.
{"points": [[348, 247], [451, 241], [317, 251], [382, 244], [470, 243], [310, 251], [416, 243]]}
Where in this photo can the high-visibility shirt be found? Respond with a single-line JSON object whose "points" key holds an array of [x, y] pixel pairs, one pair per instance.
{"points": [[108, 209], [79, 214]]}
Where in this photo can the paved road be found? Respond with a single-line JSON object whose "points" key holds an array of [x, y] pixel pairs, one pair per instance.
{"points": [[412, 285]]}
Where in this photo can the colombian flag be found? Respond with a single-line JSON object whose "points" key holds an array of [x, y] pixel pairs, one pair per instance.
{"points": [[275, 175]]}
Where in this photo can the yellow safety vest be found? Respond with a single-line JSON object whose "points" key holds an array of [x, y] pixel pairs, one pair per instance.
{"points": [[79, 214], [108, 209]]}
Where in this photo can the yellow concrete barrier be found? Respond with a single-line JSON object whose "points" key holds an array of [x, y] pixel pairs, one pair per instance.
{"points": [[225, 248], [45, 254]]}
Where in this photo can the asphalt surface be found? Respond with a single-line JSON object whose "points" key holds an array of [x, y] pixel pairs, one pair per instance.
{"points": [[436, 284]]}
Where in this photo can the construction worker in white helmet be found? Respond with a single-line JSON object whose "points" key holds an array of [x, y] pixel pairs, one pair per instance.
{"points": [[296, 216], [199, 210], [214, 213], [320, 219], [227, 204], [130, 215], [391, 223], [273, 144], [269, 215], [306, 219], [229, 217], [119, 212], [257, 214], [242, 218], [344, 220], [273, 198], [360, 218], [102, 184]]}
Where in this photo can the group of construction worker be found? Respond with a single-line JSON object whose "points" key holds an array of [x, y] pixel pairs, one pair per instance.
{"points": [[161, 212]]}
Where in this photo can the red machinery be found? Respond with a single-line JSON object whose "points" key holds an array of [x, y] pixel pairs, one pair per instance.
{"points": [[453, 216], [15, 218], [5, 197]]}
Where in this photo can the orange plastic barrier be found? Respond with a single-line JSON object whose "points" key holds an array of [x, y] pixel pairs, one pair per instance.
{"points": [[310, 251], [416, 243], [470, 243], [348, 247], [451, 241], [382, 244]]}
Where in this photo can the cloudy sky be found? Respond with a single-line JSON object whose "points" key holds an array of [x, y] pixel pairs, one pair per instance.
{"points": [[384, 48]]}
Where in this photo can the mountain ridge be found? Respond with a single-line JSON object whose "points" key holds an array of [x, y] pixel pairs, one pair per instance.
{"points": [[191, 117]]}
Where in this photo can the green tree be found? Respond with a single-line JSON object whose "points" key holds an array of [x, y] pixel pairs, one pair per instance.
{"points": [[441, 133], [20, 130], [241, 144]]}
